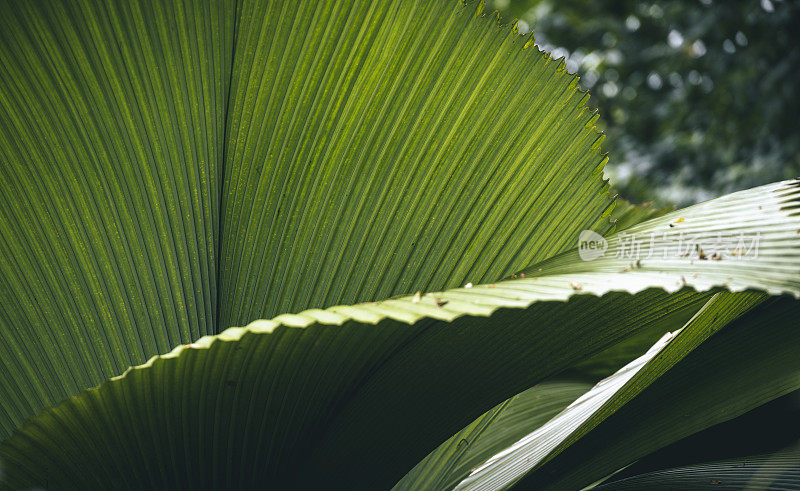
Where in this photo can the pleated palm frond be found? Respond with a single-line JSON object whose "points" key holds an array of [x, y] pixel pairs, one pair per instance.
{"points": [[311, 243]]}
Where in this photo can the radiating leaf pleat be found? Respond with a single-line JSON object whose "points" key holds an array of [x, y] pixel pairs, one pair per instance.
{"points": [[496, 429], [626, 214], [528, 453], [252, 404], [357, 395], [395, 146], [749, 363], [111, 138], [712, 243]]}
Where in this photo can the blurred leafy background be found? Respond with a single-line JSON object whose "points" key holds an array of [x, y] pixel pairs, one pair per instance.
{"points": [[698, 98]]}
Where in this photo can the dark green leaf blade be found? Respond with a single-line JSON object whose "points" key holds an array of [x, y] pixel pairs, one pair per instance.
{"points": [[537, 447], [111, 136], [750, 363], [778, 470], [357, 395]]}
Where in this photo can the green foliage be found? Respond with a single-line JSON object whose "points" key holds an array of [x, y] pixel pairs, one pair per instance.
{"points": [[698, 97], [352, 193]]}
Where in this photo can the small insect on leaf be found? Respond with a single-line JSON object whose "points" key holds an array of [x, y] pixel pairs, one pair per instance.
{"points": [[417, 297], [468, 285], [679, 220], [575, 285], [439, 302]]}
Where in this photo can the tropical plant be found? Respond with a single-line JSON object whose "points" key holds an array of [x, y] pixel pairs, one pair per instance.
{"points": [[410, 177], [694, 95]]}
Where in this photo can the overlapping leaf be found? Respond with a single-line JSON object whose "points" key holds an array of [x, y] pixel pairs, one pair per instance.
{"points": [[626, 214], [750, 363], [157, 196], [355, 394], [397, 146], [530, 451], [495, 430], [173, 170]]}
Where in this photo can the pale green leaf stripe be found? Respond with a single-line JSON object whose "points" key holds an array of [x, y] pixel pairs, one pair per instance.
{"points": [[610, 360], [506, 467], [111, 135], [493, 431], [749, 363], [396, 146], [361, 387], [510, 465]]}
